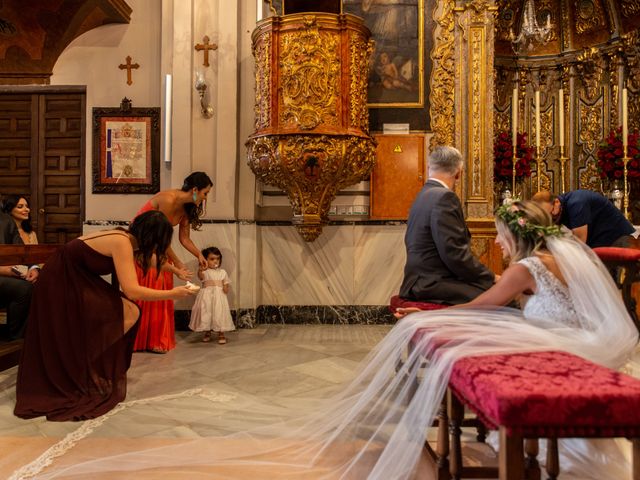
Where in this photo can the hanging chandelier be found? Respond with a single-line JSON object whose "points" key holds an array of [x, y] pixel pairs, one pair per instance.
{"points": [[530, 32]]}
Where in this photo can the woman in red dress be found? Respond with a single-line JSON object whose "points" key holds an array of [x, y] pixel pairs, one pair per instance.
{"points": [[182, 207]]}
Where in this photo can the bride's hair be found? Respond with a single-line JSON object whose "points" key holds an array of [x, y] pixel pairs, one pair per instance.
{"points": [[524, 226]]}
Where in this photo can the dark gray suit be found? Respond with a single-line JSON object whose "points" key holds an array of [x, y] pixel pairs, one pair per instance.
{"points": [[440, 266], [15, 293]]}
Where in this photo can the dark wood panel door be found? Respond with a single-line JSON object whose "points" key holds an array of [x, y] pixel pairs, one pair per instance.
{"points": [[18, 129], [42, 156], [61, 167]]}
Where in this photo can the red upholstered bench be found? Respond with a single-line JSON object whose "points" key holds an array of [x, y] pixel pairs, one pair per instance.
{"points": [[629, 260], [541, 395]]}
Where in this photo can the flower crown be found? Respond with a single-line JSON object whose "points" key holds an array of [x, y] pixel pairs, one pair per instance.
{"points": [[520, 225]]}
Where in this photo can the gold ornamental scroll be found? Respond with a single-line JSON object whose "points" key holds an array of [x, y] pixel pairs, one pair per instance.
{"points": [[311, 134]]}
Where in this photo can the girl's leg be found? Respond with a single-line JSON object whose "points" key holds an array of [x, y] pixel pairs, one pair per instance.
{"points": [[131, 314], [221, 338], [207, 336]]}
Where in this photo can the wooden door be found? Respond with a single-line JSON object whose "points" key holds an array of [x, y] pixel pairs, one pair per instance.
{"points": [[42, 155], [398, 176]]}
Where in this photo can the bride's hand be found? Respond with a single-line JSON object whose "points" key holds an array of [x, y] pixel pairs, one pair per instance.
{"points": [[403, 312]]}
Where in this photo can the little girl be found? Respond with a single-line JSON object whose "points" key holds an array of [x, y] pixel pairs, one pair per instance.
{"points": [[210, 311]]}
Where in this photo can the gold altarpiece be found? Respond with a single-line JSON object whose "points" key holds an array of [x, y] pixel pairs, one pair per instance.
{"points": [[461, 110]]}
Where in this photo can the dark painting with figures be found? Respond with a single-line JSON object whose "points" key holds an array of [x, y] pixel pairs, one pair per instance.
{"points": [[400, 68]]}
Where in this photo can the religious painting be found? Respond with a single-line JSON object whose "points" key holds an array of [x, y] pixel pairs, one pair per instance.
{"points": [[396, 71], [400, 65], [126, 150]]}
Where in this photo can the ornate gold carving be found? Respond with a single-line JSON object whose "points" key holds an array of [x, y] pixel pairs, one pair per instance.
{"points": [[319, 143], [441, 104], [589, 16], [262, 54], [566, 26], [589, 176], [631, 43], [311, 169], [502, 120], [310, 77], [360, 51], [545, 181], [477, 95], [591, 67], [630, 7], [591, 127], [506, 21], [614, 78]]}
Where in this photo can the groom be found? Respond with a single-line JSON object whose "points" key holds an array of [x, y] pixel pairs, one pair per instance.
{"points": [[440, 266]]}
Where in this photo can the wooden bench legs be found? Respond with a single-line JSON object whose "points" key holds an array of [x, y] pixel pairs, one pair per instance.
{"points": [[515, 466]]}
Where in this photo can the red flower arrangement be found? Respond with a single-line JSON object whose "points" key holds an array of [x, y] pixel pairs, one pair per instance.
{"points": [[610, 155], [503, 157]]}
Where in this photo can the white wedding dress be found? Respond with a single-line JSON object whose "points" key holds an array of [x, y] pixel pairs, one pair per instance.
{"points": [[375, 427]]}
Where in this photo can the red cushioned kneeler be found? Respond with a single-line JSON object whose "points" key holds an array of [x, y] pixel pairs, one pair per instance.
{"points": [[397, 302], [617, 254]]}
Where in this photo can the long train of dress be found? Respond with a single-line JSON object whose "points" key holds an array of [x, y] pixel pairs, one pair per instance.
{"points": [[375, 426]]}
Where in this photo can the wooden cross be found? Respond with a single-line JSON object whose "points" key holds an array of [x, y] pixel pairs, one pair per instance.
{"points": [[128, 66], [206, 46]]}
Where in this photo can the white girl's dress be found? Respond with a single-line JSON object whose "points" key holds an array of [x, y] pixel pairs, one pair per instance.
{"points": [[211, 308]]}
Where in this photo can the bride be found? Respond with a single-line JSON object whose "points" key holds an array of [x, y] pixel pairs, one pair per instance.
{"points": [[375, 427]]}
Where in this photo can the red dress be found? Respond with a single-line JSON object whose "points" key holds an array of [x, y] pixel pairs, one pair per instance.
{"points": [[156, 330]]}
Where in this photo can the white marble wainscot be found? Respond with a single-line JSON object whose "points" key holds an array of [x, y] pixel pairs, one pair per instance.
{"points": [[346, 276], [352, 264]]}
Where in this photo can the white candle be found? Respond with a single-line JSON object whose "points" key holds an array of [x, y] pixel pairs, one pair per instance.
{"points": [[537, 119], [625, 126], [514, 117], [561, 116]]}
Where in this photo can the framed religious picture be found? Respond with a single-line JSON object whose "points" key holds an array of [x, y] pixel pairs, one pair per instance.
{"points": [[126, 149], [400, 65]]}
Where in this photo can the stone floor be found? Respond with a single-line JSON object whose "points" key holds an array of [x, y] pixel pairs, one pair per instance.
{"points": [[276, 365]]}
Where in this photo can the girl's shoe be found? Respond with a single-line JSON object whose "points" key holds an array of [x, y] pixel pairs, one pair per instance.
{"points": [[206, 337], [221, 339]]}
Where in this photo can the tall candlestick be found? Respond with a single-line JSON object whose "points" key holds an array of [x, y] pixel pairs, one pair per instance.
{"points": [[514, 117], [561, 116], [538, 119], [625, 119]]}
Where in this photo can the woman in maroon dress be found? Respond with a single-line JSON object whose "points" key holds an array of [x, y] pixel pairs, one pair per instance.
{"points": [[81, 329]]}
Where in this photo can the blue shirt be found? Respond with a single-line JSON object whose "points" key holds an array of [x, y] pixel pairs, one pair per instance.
{"points": [[605, 223]]}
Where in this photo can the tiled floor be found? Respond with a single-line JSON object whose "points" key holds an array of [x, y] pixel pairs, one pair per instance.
{"points": [[270, 366]]}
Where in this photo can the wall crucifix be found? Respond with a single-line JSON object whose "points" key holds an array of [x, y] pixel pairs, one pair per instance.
{"points": [[206, 46], [128, 66]]}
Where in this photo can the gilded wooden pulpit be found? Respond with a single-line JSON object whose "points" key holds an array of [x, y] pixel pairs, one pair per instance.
{"points": [[311, 134]]}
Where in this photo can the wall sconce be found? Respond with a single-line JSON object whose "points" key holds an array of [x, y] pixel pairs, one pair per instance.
{"points": [[201, 86]]}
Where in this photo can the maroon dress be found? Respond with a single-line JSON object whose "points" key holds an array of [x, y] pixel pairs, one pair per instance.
{"points": [[75, 357]]}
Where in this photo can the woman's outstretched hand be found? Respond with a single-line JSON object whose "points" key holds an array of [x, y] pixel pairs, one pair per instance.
{"points": [[182, 292], [404, 311], [183, 274]]}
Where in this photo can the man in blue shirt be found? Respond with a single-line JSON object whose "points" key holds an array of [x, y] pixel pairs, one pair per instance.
{"points": [[591, 217]]}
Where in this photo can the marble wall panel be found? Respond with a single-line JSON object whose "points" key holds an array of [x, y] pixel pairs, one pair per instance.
{"points": [[379, 263], [295, 272]]}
